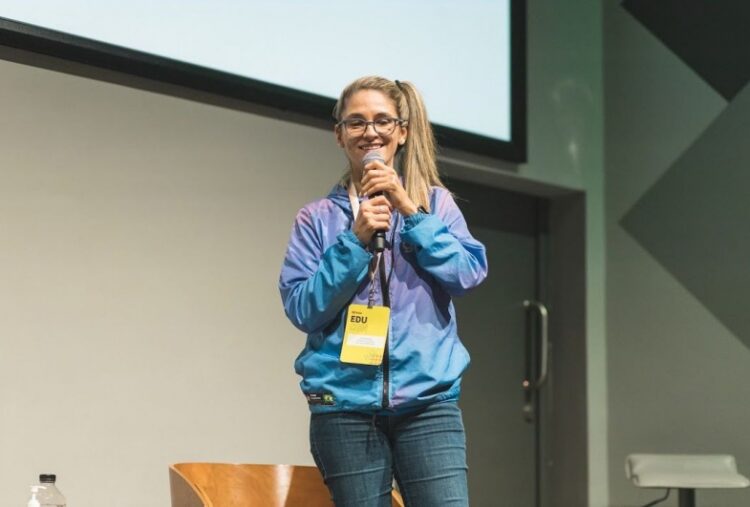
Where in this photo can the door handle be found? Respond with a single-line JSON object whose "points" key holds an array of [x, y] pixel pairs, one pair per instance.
{"points": [[529, 385], [544, 342]]}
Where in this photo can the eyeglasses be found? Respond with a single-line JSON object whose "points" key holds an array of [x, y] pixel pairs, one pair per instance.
{"points": [[383, 126]]}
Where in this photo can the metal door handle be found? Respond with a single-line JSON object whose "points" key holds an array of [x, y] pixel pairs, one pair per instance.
{"points": [[544, 339]]}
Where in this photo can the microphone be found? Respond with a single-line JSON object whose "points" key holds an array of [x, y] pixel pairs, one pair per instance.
{"points": [[377, 244]]}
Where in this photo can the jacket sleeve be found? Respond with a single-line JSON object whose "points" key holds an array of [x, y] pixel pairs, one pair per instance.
{"points": [[315, 284], [445, 248]]}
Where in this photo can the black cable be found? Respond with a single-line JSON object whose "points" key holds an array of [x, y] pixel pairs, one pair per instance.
{"points": [[660, 500]]}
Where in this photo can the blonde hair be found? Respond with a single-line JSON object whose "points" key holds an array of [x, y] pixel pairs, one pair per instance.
{"points": [[417, 156]]}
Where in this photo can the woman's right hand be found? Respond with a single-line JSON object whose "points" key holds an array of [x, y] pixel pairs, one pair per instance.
{"points": [[374, 215]]}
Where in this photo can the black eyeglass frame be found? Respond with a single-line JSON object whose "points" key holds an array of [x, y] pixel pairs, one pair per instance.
{"points": [[396, 121]]}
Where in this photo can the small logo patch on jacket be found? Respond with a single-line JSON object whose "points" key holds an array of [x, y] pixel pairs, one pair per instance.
{"points": [[320, 399]]}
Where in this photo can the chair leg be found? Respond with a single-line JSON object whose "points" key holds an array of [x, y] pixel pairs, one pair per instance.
{"points": [[686, 497]]}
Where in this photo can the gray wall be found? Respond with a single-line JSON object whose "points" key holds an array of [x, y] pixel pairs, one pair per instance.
{"points": [[566, 149], [677, 247]]}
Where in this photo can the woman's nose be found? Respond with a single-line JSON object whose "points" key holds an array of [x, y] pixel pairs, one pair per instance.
{"points": [[370, 130]]}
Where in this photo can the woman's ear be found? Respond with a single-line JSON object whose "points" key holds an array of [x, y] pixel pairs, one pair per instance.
{"points": [[404, 134], [337, 132]]}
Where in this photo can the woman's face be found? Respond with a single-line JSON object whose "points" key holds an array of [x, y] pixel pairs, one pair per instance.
{"points": [[369, 105]]}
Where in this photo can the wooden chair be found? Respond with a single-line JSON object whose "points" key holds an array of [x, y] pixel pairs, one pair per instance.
{"points": [[227, 485]]}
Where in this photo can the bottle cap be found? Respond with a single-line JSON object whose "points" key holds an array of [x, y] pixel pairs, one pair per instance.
{"points": [[47, 477]]}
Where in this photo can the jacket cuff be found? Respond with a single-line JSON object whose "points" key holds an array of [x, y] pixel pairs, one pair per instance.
{"points": [[348, 236], [413, 220], [422, 229]]}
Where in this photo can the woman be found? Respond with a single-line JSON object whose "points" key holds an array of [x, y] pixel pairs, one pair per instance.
{"points": [[383, 399]]}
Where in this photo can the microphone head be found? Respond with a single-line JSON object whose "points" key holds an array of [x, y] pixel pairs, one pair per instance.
{"points": [[373, 156]]}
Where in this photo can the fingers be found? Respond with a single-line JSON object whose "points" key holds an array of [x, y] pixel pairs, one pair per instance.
{"points": [[374, 166], [377, 201], [378, 208], [378, 177], [374, 215]]}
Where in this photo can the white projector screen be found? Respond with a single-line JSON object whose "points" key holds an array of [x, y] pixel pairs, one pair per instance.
{"points": [[459, 54]]}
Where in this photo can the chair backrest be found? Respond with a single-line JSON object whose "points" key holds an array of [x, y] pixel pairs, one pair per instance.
{"points": [[228, 485]]}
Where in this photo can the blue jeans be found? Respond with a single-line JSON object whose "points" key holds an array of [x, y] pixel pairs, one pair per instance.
{"points": [[359, 455]]}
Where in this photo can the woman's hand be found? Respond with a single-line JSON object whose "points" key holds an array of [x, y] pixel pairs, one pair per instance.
{"points": [[374, 215], [379, 177]]}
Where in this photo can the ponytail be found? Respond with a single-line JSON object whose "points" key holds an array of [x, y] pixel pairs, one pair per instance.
{"points": [[418, 161]]}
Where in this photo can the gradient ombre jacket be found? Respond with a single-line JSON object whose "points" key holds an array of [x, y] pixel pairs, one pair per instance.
{"points": [[326, 268]]}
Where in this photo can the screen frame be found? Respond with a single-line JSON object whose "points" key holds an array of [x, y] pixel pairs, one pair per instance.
{"points": [[88, 52]]}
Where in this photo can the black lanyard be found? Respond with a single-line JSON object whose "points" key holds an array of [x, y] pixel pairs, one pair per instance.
{"points": [[380, 266]]}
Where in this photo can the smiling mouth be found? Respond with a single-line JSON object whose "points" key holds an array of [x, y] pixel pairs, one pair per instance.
{"points": [[370, 147]]}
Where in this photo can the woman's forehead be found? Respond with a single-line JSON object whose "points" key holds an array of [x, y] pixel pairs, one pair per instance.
{"points": [[371, 102]]}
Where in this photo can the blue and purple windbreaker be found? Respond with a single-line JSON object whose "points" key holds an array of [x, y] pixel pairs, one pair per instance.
{"points": [[326, 268]]}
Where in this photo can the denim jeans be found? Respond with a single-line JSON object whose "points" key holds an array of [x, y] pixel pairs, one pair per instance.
{"points": [[359, 455]]}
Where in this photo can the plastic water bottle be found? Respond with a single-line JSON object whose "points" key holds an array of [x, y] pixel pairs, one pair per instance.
{"points": [[49, 495]]}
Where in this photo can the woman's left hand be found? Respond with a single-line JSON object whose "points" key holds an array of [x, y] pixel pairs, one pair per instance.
{"points": [[379, 177]]}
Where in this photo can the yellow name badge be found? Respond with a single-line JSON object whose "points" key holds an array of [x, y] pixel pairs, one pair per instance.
{"points": [[365, 334]]}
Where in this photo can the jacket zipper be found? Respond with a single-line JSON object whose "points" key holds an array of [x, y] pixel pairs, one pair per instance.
{"points": [[386, 401], [386, 302]]}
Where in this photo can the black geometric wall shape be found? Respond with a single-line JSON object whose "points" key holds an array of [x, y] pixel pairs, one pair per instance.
{"points": [[711, 36], [695, 220]]}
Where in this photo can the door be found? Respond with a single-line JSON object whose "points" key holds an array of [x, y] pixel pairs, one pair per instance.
{"points": [[502, 336]]}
